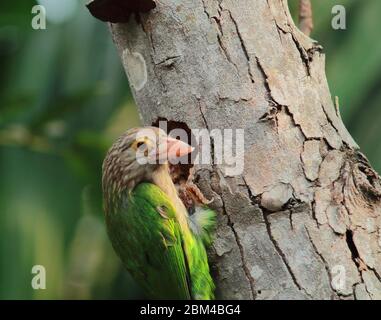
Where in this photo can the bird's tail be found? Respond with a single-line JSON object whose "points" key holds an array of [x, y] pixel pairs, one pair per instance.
{"points": [[203, 223]]}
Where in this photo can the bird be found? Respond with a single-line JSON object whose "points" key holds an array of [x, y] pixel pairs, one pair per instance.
{"points": [[158, 241]]}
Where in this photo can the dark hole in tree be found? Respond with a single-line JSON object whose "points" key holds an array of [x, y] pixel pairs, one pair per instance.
{"points": [[180, 172], [352, 247]]}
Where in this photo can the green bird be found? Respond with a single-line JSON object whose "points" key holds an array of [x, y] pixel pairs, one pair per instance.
{"points": [[160, 244]]}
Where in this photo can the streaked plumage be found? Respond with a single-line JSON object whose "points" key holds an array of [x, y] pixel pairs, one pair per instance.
{"points": [[149, 227]]}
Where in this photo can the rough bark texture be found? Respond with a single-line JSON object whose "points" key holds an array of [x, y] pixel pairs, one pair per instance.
{"points": [[308, 202]]}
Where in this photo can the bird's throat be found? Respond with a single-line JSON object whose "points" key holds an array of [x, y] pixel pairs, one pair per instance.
{"points": [[163, 180]]}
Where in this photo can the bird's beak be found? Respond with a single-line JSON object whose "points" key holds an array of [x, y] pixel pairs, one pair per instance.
{"points": [[172, 149]]}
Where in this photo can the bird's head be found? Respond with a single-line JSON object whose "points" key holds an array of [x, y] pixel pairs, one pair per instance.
{"points": [[136, 155]]}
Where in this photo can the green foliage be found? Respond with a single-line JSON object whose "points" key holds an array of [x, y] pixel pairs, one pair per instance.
{"points": [[62, 91], [64, 98]]}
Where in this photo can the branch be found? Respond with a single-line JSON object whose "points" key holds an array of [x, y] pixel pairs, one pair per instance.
{"points": [[118, 10], [306, 23]]}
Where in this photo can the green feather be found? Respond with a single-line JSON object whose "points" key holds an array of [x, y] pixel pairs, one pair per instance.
{"points": [[169, 263], [202, 223]]}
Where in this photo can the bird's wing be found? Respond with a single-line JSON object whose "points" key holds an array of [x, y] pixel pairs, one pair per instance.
{"points": [[197, 261], [147, 237]]}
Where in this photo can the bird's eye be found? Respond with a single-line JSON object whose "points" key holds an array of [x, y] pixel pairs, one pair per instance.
{"points": [[139, 144]]}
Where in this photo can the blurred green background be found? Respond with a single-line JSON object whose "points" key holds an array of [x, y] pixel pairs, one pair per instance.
{"points": [[64, 99]]}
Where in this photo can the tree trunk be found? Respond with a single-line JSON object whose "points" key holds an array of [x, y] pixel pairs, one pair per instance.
{"points": [[303, 220]]}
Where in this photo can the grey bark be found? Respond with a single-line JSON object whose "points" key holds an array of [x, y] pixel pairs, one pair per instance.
{"points": [[307, 206]]}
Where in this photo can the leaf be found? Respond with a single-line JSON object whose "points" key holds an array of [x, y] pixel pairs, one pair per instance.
{"points": [[118, 10]]}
